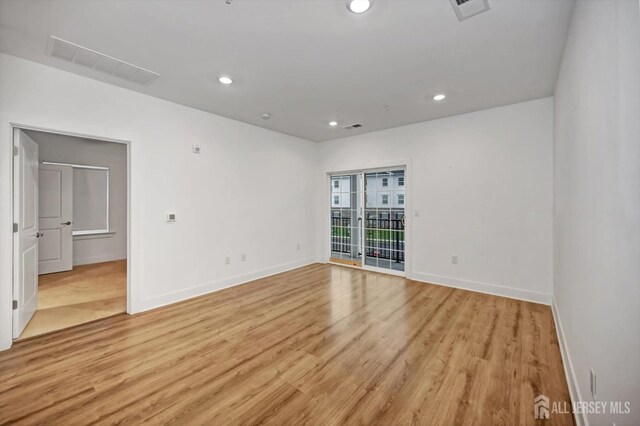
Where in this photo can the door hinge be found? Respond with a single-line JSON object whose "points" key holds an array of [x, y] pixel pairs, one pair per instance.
{"points": [[15, 305], [15, 150], [15, 227]]}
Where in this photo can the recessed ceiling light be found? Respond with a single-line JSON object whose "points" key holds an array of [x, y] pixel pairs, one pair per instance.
{"points": [[225, 80], [439, 97], [333, 123], [358, 6]]}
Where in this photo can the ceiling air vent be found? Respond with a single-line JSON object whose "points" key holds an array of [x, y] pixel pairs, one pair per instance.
{"points": [[467, 8], [71, 52], [352, 126]]}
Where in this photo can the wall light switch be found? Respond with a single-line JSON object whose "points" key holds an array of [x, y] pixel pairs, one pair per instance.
{"points": [[195, 148], [171, 217]]}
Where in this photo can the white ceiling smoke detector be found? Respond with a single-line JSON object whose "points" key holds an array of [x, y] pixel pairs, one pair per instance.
{"points": [[467, 8]]}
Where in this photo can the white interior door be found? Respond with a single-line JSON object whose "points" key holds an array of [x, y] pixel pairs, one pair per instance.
{"points": [[25, 262], [55, 246]]}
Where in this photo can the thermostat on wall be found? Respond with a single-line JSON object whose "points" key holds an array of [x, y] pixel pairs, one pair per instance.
{"points": [[171, 217]]}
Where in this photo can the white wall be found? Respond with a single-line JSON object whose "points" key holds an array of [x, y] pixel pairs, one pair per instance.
{"points": [[269, 179], [482, 183], [597, 203], [68, 149]]}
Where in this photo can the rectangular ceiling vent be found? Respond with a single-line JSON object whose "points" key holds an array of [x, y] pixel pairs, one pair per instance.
{"points": [[352, 126], [467, 8], [72, 52]]}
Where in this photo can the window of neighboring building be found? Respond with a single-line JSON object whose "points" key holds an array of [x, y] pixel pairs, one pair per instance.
{"points": [[336, 199], [336, 184], [385, 181], [401, 181], [401, 199], [385, 199]]}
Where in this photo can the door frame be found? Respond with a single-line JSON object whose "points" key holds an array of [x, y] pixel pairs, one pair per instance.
{"points": [[21, 126], [368, 167]]}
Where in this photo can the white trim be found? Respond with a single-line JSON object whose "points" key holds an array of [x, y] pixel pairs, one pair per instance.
{"points": [[487, 288], [92, 232], [108, 234], [214, 286], [76, 166], [570, 374], [98, 259], [131, 294], [361, 168]]}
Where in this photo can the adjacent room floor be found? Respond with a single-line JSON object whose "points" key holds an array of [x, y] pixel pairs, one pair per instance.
{"points": [[322, 345], [87, 293]]}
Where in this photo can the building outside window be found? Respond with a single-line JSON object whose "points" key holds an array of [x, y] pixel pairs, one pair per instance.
{"points": [[401, 199], [385, 181], [336, 184], [336, 199], [385, 199], [401, 181]]}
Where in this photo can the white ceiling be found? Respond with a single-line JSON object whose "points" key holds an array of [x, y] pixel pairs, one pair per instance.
{"points": [[307, 62]]}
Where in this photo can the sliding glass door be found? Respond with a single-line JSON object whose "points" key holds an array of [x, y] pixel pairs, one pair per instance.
{"points": [[367, 219], [384, 219]]}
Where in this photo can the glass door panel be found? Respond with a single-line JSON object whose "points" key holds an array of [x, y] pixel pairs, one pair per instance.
{"points": [[346, 220], [384, 243]]}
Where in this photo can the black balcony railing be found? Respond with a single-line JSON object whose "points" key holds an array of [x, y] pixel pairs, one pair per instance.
{"points": [[383, 238], [341, 234]]}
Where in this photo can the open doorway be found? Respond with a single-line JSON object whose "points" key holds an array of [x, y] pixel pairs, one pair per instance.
{"points": [[70, 231]]}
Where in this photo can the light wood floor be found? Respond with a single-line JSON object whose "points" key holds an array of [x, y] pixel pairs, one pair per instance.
{"points": [[87, 293], [321, 345]]}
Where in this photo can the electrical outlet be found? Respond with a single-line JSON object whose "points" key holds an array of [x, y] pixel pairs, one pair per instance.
{"points": [[454, 259], [593, 383], [243, 257], [227, 260]]}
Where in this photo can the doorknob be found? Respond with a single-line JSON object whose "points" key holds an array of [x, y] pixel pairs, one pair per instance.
{"points": [[38, 235], [66, 223]]}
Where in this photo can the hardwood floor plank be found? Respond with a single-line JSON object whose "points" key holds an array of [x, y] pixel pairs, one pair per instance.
{"points": [[322, 344]]}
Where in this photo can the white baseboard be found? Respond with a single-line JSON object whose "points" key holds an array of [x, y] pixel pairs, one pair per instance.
{"points": [[98, 259], [480, 287], [202, 289], [572, 382]]}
